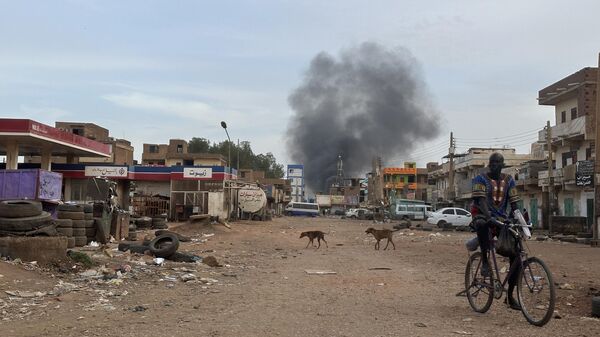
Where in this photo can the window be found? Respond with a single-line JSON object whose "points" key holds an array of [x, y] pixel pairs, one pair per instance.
{"points": [[153, 148], [448, 211], [573, 113], [188, 162], [563, 116], [569, 158], [179, 148], [78, 132], [461, 212]]}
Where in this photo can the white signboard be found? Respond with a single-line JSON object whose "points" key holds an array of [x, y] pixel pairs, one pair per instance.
{"points": [[106, 171], [197, 172], [295, 172], [252, 200]]}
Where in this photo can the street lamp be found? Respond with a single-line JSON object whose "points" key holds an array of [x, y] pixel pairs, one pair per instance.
{"points": [[224, 125]]}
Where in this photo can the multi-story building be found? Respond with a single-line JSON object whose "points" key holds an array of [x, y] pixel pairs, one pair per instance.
{"points": [[466, 167], [176, 154], [572, 143], [295, 172], [401, 182], [121, 151]]}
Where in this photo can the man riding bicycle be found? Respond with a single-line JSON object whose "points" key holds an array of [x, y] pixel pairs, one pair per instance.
{"points": [[493, 192]]}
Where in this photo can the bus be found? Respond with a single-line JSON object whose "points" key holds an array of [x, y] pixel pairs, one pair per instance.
{"points": [[302, 208], [406, 209]]}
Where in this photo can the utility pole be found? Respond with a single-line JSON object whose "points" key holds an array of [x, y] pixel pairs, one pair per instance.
{"points": [[550, 206], [597, 159], [451, 168]]}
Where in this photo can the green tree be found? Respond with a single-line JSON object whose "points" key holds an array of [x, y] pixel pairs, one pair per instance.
{"points": [[247, 158], [199, 145]]}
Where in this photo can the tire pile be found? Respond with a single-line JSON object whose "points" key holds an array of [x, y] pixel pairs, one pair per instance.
{"points": [[25, 218], [159, 222], [76, 222]]}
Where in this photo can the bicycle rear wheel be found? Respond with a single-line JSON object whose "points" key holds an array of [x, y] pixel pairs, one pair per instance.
{"points": [[536, 292], [480, 290]]}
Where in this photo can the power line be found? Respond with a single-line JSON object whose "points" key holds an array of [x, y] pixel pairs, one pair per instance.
{"points": [[509, 136]]}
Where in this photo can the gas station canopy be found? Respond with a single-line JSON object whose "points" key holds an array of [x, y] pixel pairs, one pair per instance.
{"points": [[25, 137]]}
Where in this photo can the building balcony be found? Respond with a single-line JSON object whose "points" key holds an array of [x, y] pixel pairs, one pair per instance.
{"points": [[576, 129], [543, 178], [464, 189], [399, 185]]}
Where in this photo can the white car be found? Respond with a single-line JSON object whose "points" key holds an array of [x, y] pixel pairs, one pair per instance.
{"points": [[453, 216]]}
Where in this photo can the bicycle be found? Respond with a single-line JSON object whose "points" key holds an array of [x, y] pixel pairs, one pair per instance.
{"points": [[535, 279]]}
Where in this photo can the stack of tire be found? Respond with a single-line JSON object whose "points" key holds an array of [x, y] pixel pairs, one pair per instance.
{"points": [[159, 222], [90, 225], [76, 214], [65, 228], [20, 216], [132, 232], [143, 223]]}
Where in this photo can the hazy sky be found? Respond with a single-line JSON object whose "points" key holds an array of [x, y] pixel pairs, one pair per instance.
{"points": [[153, 70]]}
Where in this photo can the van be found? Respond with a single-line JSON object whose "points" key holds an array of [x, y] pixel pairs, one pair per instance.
{"points": [[412, 211], [302, 208]]}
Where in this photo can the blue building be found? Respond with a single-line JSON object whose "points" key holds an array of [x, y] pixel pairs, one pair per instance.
{"points": [[295, 172]]}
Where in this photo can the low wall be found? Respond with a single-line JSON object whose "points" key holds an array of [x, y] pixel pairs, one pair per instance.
{"points": [[569, 224]]}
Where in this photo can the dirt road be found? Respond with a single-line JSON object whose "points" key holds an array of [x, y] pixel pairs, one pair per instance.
{"points": [[263, 289]]}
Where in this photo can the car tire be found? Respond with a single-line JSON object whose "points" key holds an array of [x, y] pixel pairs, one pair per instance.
{"points": [[71, 215], [78, 223], [80, 241], [442, 224], [78, 232], [20, 208], [70, 208], [596, 306], [68, 232], [25, 224], [63, 223], [164, 245]]}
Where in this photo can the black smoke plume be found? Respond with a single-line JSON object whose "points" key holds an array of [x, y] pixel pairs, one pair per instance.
{"points": [[371, 101]]}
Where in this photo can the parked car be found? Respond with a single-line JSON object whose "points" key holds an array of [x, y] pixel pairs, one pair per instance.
{"points": [[359, 213], [453, 216]]}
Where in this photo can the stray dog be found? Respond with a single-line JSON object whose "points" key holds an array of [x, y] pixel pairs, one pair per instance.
{"points": [[311, 235], [380, 234]]}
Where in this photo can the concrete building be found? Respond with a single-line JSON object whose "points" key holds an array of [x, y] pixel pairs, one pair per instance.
{"points": [[121, 151], [573, 99], [407, 182], [466, 167], [295, 172], [176, 154]]}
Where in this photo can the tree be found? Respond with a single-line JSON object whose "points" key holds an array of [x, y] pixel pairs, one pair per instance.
{"points": [[199, 145], [247, 158]]}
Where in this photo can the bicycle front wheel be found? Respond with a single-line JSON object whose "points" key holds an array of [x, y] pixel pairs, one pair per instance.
{"points": [[480, 290], [536, 292]]}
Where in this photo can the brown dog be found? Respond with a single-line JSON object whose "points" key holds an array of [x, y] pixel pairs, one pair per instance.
{"points": [[380, 234], [312, 235]]}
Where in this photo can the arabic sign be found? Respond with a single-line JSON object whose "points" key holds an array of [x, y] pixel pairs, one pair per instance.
{"points": [[585, 173], [252, 199], [106, 171], [197, 172]]}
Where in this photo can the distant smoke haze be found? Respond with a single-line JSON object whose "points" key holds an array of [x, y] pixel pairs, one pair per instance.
{"points": [[370, 101]]}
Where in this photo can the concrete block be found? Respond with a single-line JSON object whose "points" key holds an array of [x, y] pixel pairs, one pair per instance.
{"points": [[43, 249]]}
